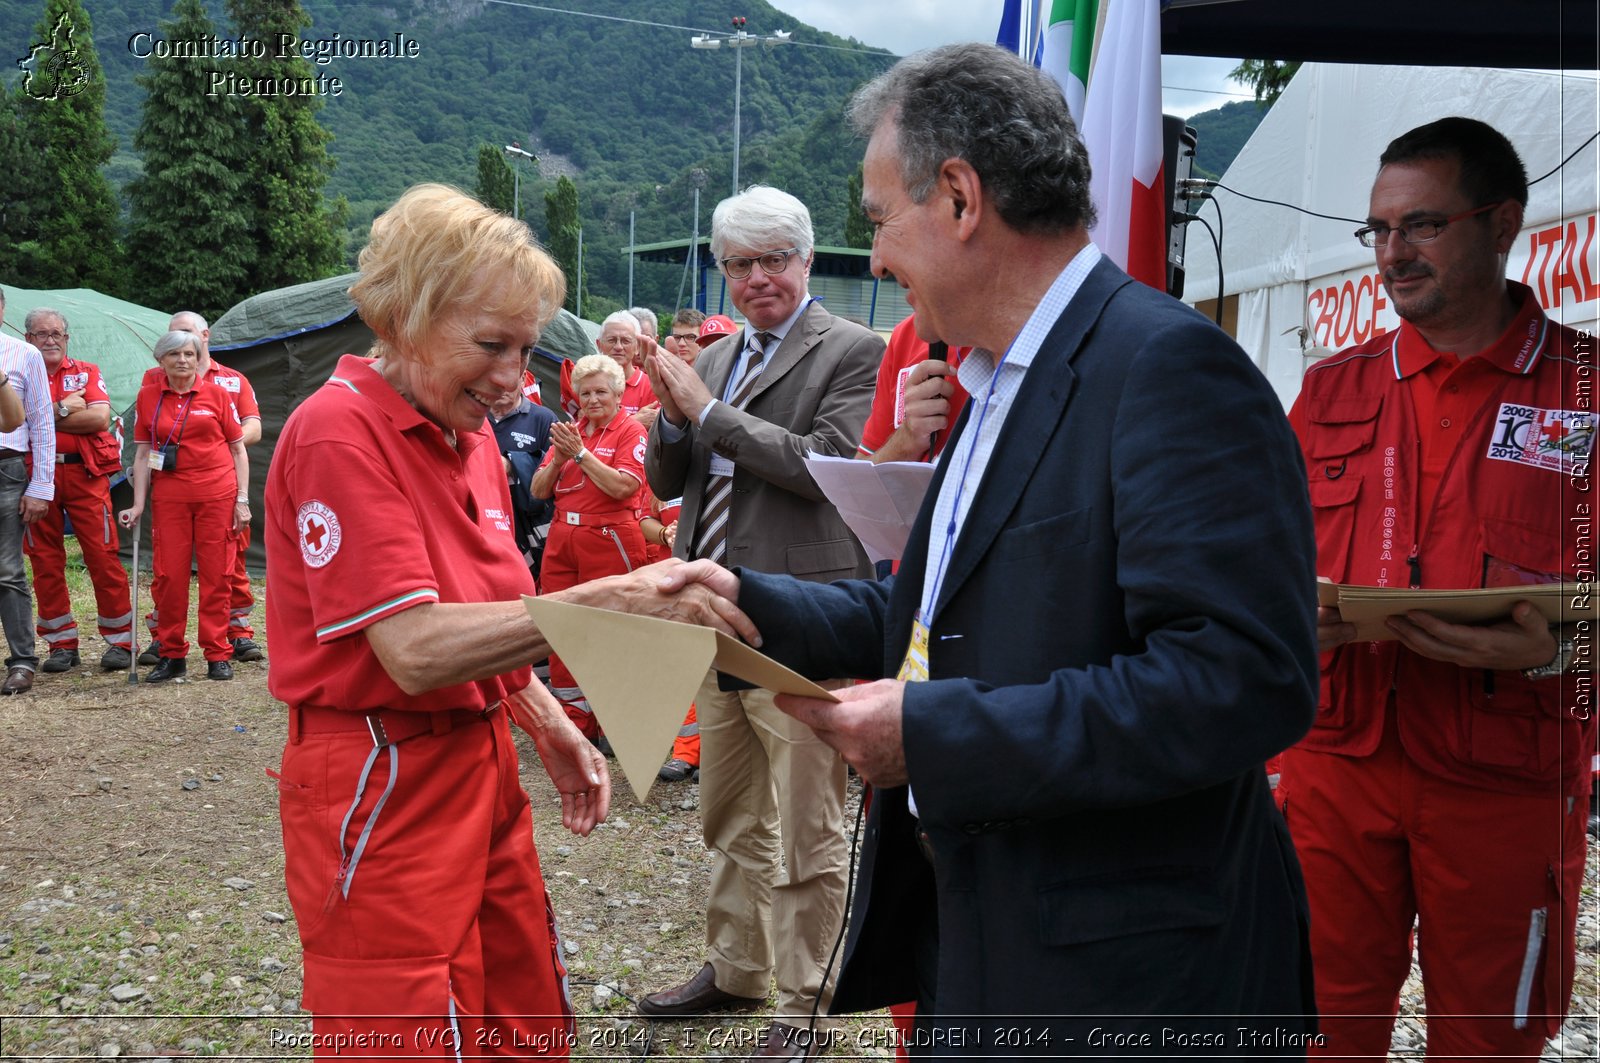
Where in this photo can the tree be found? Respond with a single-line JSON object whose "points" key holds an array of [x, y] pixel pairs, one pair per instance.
{"points": [[190, 221], [24, 196], [62, 125], [296, 236], [563, 223], [857, 229], [1268, 77], [496, 183]]}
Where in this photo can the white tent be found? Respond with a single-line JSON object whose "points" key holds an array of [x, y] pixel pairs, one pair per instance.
{"points": [[1306, 287]]}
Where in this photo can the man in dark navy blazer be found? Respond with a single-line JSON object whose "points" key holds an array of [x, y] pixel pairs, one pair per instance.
{"points": [[1110, 593]]}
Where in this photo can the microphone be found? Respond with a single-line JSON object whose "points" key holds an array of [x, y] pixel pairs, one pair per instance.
{"points": [[938, 351]]}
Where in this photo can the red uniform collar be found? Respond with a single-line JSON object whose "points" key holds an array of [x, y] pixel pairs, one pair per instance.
{"points": [[68, 364], [1517, 351], [355, 372]]}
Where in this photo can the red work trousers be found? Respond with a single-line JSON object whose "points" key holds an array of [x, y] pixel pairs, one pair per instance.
{"points": [[1491, 879], [182, 531], [423, 916], [86, 499], [241, 597], [574, 554]]}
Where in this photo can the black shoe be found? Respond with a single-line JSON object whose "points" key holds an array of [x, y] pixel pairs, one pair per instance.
{"points": [[219, 670], [116, 659], [168, 668], [675, 770], [151, 654], [60, 661], [247, 650]]}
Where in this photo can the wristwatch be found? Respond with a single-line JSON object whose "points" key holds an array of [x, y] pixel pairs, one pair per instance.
{"points": [[61, 410], [1566, 650]]}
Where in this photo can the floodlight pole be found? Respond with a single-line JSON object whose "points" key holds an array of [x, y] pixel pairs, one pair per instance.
{"points": [[738, 40], [515, 151]]}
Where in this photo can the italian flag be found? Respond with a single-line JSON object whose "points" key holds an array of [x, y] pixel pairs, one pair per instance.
{"points": [[1112, 49], [1068, 44]]}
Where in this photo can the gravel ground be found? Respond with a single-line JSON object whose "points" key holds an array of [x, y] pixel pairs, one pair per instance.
{"points": [[143, 914]]}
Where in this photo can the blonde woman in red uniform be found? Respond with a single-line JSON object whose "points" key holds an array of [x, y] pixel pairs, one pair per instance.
{"points": [[401, 651], [594, 471], [191, 463]]}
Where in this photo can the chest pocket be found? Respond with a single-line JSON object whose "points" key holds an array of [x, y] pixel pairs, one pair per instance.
{"points": [[1342, 425]]}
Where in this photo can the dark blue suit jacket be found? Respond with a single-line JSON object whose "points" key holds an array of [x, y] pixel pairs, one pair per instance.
{"points": [[1125, 633]]}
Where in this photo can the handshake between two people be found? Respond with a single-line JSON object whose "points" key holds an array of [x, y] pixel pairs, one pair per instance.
{"points": [[863, 725]]}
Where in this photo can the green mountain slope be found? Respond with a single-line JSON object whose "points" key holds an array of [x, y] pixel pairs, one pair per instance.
{"points": [[628, 109]]}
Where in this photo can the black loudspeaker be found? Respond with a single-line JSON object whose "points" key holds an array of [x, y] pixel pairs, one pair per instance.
{"points": [[1177, 149]]}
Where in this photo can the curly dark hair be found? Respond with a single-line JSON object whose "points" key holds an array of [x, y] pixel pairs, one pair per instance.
{"points": [[1006, 119]]}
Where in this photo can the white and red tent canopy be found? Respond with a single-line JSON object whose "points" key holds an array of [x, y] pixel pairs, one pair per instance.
{"points": [[1305, 285]]}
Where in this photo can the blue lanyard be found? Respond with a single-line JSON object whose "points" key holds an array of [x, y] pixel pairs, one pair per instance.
{"points": [[961, 486]]}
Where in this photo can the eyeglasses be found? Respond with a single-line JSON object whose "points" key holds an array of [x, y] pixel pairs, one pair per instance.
{"points": [[684, 337], [51, 336], [772, 264], [1422, 231]]}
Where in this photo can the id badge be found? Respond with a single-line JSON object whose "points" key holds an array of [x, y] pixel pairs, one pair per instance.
{"points": [[158, 460], [914, 669], [720, 466]]}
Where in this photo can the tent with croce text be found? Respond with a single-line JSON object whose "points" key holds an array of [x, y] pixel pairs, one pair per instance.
{"points": [[1305, 286]]}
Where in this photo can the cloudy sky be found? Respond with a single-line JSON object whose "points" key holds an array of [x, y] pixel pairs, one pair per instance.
{"points": [[1189, 83]]}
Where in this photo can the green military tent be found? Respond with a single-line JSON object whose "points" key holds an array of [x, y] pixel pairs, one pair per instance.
{"points": [[116, 335], [287, 342]]}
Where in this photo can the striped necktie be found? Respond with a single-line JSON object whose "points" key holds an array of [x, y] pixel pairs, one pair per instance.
{"points": [[719, 492]]}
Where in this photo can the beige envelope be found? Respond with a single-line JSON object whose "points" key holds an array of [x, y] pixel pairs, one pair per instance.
{"points": [[641, 673]]}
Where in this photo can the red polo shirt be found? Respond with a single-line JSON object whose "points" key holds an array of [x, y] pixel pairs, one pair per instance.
{"points": [[74, 377], [636, 392], [230, 380], [621, 445], [904, 353], [369, 512], [202, 422]]}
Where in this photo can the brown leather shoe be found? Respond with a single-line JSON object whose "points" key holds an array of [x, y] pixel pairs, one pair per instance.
{"points": [[698, 996], [18, 681], [782, 1041]]}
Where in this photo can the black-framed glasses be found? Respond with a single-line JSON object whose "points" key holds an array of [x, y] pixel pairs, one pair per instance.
{"points": [[1421, 231], [51, 335], [772, 263]]}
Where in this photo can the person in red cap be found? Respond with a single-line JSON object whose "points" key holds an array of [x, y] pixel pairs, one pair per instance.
{"points": [[714, 328]]}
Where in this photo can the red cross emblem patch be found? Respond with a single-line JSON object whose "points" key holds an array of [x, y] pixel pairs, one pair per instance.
{"points": [[320, 534]]}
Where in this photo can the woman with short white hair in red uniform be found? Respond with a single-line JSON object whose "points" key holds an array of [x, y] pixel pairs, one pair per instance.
{"points": [[594, 471], [191, 463], [401, 647]]}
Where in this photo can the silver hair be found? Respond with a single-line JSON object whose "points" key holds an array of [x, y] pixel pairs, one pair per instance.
{"points": [[648, 325], [194, 319], [601, 365], [620, 317], [175, 340], [761, 218], [44, 311], [1005, 118]]}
